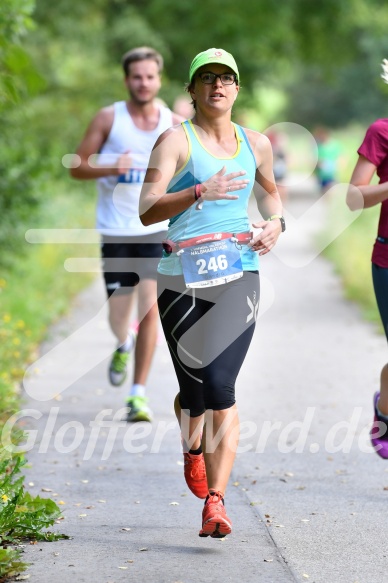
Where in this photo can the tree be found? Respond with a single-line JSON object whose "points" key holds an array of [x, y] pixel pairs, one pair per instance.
{"points": [[18, 78]]}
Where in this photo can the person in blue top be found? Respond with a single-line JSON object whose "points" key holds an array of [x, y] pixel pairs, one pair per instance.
{"points": [[200, 176]]}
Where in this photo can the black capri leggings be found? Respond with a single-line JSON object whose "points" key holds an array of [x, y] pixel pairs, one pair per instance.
{"points": [[380, 284], [208, 332]]}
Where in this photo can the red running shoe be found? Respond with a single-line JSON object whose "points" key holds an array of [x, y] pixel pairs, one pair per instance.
{"points": [[195, 474], [215, 522]]}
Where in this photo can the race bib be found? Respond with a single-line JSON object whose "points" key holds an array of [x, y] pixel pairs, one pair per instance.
{"points": [[211, 264]]}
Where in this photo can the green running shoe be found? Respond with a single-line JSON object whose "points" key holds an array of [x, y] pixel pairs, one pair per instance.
{"points": [[138, 409], [118, 368], [119, 363]]}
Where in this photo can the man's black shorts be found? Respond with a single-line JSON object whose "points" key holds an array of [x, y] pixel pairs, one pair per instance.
{"points": [[126, 260]]}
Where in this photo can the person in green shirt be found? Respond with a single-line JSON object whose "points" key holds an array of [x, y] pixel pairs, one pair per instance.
{"points": [[328, 155]]}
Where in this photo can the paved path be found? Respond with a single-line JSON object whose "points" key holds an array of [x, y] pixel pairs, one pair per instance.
{"points": [[307, 497]]}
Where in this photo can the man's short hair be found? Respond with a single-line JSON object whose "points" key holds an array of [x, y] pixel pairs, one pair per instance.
{"points": [[141, 54]]}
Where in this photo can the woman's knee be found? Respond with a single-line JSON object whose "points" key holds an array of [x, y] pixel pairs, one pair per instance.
{"points": [[218, 393], [192, 405]]}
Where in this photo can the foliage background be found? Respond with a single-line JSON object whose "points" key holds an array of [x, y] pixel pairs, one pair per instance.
{"points": [[59, 63]]}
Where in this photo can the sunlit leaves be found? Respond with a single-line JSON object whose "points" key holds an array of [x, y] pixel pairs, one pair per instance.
{"points": [[14, 62]]}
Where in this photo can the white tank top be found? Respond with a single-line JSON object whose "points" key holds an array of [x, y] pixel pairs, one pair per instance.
{"points": [[118, 197]]}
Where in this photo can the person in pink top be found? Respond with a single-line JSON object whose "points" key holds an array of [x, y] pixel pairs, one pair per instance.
{"points": [[373, 158]]}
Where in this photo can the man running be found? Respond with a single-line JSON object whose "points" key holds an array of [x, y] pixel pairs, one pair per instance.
{"points": [[123, 135]]}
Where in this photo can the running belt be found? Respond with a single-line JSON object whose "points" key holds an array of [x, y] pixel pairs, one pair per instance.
{"points": [[173, 247]]}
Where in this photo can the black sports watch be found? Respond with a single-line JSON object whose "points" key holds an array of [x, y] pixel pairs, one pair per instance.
{"points": [[281, 219]]}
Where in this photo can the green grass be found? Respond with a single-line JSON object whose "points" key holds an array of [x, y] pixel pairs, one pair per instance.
{"points": [[34, 292], [22, 517], [37, 289]]}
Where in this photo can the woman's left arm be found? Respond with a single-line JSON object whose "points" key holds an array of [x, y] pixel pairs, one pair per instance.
{"points": [[362, 194], [266, 194]]}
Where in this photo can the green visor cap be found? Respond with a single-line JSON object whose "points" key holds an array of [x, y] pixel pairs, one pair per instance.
{"points": [[213, 56]]}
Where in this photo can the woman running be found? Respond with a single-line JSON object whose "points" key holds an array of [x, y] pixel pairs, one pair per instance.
{"points": [[373, 158], [200, 176]]}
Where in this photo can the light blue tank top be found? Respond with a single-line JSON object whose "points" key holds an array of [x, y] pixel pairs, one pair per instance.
{"points": [[226, 216]]}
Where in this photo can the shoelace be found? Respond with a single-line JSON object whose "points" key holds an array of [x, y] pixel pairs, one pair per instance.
{"points": [[137, 402], [216, 497], [120, 361], [197, 470]]}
